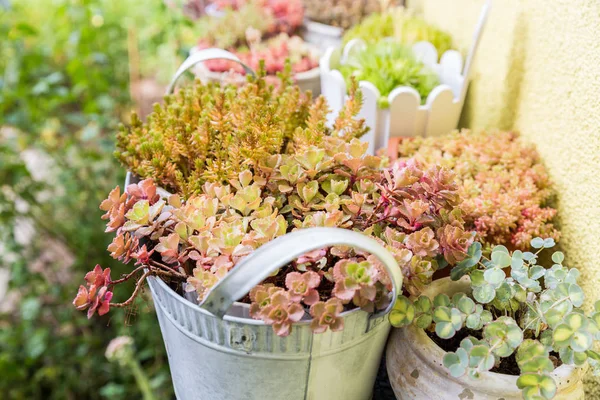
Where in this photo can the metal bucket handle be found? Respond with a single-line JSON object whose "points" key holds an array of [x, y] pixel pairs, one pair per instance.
{"points": [[265, 260], [205, 55]]}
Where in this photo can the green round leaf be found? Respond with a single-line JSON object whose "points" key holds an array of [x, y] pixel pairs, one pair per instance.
{"points": [[399, 319], [424, 321], [562, 335], [576, 295], [558, 257], [441, 300], [501, 259], [549, 243], [547, 387], [537, 243], [484, 294], [442, 314], [466, 305], [423, 304], [528, 380], [444, 330], [474, 321], [581, 341], [494, 276], [500, 248]]}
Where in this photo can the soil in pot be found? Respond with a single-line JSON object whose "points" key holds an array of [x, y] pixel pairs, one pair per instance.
{"points": [[507, 366]]}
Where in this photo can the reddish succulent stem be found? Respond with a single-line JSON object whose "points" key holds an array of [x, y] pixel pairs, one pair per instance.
{"points": [[161, 265], [140, 283], [138, 286], [128, 276]]}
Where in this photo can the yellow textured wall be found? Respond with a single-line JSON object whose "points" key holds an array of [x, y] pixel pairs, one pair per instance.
{"points": [[538, 71]]}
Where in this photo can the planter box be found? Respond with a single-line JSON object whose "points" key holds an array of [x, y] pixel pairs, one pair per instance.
{"points": [[406, 116]]}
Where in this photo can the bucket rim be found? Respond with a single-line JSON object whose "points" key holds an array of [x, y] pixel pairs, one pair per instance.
{"points": [[229, 318]]}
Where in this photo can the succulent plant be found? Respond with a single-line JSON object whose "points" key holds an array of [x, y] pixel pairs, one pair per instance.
{"points": [[212, 133], [229, 31], [388, 65], [342, 13], [504, 186], [309, 176], [274, 52], [533, 315], [287, 15], [401, 25]]}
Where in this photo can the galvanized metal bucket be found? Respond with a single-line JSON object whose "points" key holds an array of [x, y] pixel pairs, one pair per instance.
{"points": [[217, 352]]}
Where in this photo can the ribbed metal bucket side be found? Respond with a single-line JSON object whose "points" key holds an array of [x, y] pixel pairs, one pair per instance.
{"points": [[217, 359], [251, 336]]}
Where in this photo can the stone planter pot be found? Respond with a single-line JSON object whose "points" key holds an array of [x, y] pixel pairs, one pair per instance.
{"points": [[416, 372]]}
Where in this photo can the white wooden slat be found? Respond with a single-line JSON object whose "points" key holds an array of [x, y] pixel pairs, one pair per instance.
{"points": [[355, 45], [333, 87], [426, 53], [404, 105], [443, 111], [450, 71], [369, 112]]}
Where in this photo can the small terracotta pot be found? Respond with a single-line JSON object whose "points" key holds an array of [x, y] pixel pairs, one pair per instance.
{"points": [[416, 372]]}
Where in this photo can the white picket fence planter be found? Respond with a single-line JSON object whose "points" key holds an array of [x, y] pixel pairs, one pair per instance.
{"points": [[406, 116]]}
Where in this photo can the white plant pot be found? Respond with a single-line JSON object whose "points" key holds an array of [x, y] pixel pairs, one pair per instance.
{"points": [[416, 371], [406, 116], [322, 35]]}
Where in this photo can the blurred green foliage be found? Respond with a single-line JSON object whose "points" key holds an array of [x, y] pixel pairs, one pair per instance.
{"points": [[64, 88]]}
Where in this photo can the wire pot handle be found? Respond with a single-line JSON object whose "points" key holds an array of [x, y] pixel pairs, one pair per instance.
{"points": [[265, 260], [205, 55]]}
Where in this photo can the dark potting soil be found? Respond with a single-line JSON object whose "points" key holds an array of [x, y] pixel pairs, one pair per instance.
{"points": [[507, 366]]}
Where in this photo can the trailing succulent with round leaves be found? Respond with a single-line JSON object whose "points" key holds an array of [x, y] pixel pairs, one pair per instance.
{"points": [[504, 186], [401, 25], [315, 177], [388, 65], [534, 315]]}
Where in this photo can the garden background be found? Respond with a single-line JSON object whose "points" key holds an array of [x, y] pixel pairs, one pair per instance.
{"points": [[72, 70]]}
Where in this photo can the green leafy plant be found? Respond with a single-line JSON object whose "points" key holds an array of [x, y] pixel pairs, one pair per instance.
{"points": [[401, 25], [388, 65], [504, 186], [533, 316], [63, 90], [295, 173]]}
